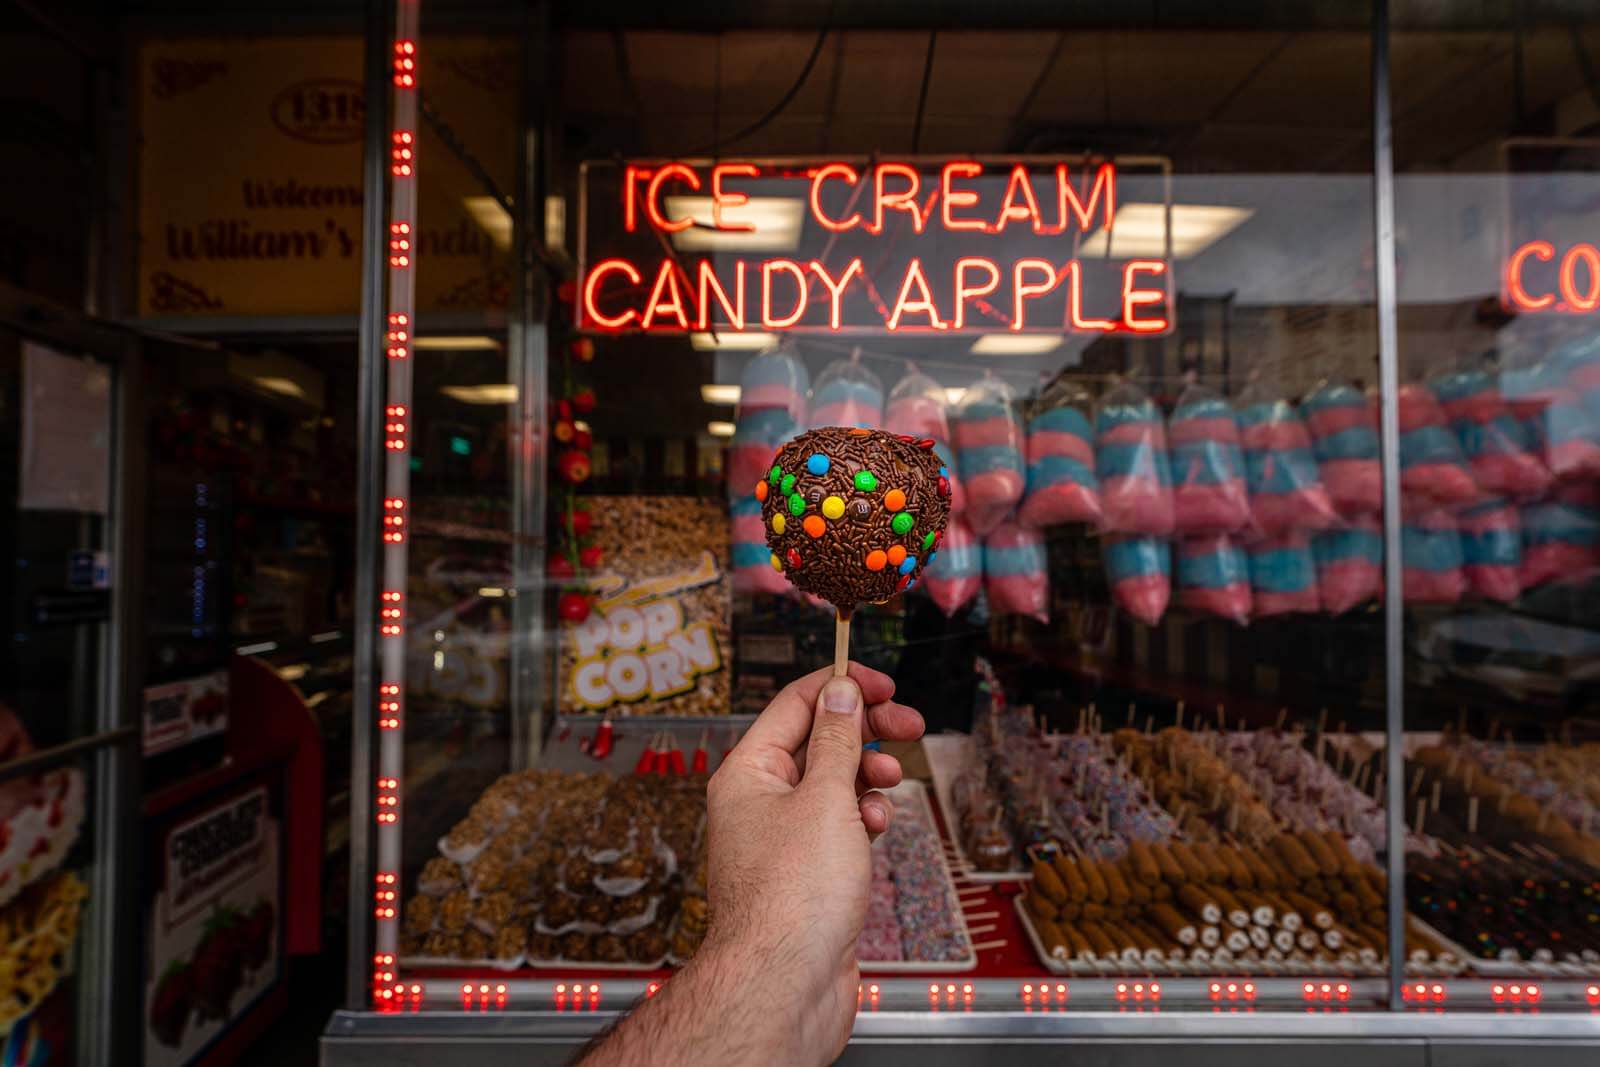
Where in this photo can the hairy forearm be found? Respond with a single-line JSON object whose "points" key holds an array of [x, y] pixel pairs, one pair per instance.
{"points": [[720, 1009]]}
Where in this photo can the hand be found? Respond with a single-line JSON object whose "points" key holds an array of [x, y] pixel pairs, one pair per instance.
{"points": [[789, 818]]}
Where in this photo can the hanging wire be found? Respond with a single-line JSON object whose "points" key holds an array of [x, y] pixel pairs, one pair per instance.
{"points": [[787, 98]]}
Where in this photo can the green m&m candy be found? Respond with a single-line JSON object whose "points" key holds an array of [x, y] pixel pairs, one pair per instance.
{"points": [[797, 504], [902, 523], [774, 474], [866, 481]]}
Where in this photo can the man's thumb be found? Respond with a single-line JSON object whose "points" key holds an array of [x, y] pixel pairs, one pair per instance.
{"points": [[834, 754]]}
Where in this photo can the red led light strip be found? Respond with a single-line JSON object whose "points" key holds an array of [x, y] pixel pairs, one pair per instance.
{"points": [[389, 993]]}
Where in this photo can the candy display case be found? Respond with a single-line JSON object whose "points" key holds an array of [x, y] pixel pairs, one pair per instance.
{"points": [[1248, 615]]}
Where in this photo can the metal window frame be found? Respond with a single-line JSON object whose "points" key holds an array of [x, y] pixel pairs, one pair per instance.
{"points": [[359, 1035]]}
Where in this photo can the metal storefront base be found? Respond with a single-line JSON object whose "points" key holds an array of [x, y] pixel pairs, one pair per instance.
{"points": [[1100, 1039]]}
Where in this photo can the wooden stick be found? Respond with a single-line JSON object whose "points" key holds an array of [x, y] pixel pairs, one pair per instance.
{"points": [[984, 946], [987, 928], [841, 644], [983, 915]]}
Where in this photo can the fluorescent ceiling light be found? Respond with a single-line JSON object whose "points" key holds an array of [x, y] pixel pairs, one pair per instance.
{"points": [[728, 339], [294, 671], [491, 591], [1016, 344], [954, 394], [719, 394], [1140, 229], [493, 219], [719, 429], [776, 220], [496, 393], [453, 344], [281, 386], [260, 649]]}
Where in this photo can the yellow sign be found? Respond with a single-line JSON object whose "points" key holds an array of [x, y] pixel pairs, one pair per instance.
{"points": [[250, 181]]}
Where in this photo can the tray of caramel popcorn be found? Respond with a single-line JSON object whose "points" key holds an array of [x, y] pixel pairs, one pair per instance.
{"points": [[562, 869]]}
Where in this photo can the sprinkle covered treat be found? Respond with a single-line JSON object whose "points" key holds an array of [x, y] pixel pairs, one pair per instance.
{"points": [[853, 516]]}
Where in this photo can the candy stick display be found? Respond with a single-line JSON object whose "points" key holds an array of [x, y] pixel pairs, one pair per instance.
{"points": [[1061, 484], [956, 575], [1344, 438], [988, 441], [1283, 575], [849, 395], [1132, 464], [1433, 472], [1214, 577], [914, 916], [1491, 550], [1430, 548], [1349, 564], [853, 516], [1014, 572], [1139, 571], [1286, 490], [1208, 486]]}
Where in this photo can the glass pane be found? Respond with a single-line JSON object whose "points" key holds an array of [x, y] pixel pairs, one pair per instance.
{"points": [[1496, 160], [53, 498], [1151, 630]]}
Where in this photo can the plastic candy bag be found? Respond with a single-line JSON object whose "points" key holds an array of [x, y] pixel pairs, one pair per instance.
{"points": [[1208, 488], [1214, 577], [954, 573], [1349, 564], [1491, 550], [1344, 438], [757, 436], [1433, 472], [847, 394], [1498, 446], [1139, 570], [1560, 540], [1430, 553], [1061, 485], [1286, 490], [1283, 575], [1015, 572], [1131, 462], [1566, 434], [774, 379], [917, 409], [753, 571], [988, 440]]}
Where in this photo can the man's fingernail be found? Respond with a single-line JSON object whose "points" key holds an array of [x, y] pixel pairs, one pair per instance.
{"points": [[841, 695]]}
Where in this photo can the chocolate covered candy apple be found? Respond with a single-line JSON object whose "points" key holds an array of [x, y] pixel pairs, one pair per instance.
{"points": [[853, 516]]}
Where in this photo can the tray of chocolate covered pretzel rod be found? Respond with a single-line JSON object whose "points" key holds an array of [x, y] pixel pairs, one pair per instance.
{"points": [[1298, 904]]}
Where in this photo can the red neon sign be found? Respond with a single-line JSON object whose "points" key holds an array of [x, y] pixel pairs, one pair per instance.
{"points": [[885, 246], [1572, 287]]}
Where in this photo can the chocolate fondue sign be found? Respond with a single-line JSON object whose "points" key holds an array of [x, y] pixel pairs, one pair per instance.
{"points": [[911, 246]]}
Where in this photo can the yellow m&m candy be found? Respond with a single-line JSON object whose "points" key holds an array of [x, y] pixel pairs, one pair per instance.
{"points": [[833, 507]]}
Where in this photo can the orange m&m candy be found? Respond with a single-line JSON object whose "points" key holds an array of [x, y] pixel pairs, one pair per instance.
{"points": [[761, 491], [897, 554], [815, 526], [894, 499], [876, 560]]}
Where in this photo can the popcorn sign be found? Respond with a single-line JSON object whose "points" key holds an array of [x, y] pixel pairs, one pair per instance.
{"points": [[653, 643], [637, 653]]}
